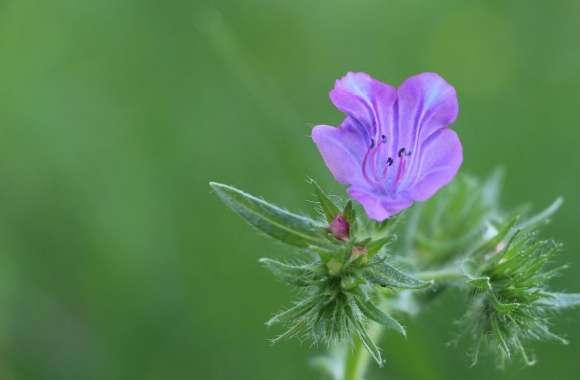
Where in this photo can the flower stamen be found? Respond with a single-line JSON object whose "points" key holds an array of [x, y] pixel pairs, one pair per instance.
{"points": [[402, 165]]}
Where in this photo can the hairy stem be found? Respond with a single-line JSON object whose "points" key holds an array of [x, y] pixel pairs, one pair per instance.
{"points": [[357, 359]]}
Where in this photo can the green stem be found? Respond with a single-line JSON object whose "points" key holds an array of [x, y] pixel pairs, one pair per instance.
{"points": [[357, 358]]}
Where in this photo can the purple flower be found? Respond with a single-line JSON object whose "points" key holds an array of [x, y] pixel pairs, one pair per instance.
{"points": [[394, 147]]}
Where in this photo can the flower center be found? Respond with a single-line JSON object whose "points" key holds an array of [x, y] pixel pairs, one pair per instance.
{"points": [[377, 165]]}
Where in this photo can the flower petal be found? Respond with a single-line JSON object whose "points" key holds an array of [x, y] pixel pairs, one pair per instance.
{"points": [[365, 100], [379, 206], [342, 150], [370, 202], [440, 159], [426, 103]]}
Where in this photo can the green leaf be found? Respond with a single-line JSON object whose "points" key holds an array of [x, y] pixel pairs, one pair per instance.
{"points": [[375, 246], [348, 213], [370, 345], [297, 275], [377, 315], [544, 216], [324, 253], [275, 222], [365, 339], [296, 329], [499, 335], [385, 274], [293, 313], [561, 300], [330, 209], [388, 226]]}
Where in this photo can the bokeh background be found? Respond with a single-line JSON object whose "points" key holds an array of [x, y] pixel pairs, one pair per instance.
{"points": [[116, 261]]}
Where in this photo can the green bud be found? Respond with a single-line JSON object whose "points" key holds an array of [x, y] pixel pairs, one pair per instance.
{"points": [[334, 267], [512, 304]]}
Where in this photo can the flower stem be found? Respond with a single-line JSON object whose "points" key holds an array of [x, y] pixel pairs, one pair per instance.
{"points": [[357, 359]]}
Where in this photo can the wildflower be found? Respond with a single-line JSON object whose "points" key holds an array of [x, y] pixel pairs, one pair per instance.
{"points": [[394, 147]]}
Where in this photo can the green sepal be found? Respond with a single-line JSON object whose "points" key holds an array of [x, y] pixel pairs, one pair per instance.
{"points": [[374, 313], [275, 222], [374, 247], [389, 225], [329, 208], [349, 213]]}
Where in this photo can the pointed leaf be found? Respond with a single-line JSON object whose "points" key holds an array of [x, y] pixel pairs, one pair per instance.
{"points": [[377, 315], [349, 212], [273, 221], [330, 209], [324, 253], [296, 329], [561, 300], [375, 246], [543, 216], [385, 274], [499, 335], [365, 339], [370, 345], [386, 226], [297, 275], [293, 313]]}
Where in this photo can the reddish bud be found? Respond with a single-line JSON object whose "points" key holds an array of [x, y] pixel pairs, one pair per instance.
{"points": [[339, 228]]}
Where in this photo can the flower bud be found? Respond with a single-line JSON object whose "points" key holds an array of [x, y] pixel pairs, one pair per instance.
{"points": [[334, 267], [339, 227]]}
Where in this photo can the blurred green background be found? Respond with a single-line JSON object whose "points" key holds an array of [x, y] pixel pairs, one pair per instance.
{"points": [[116, 261]]}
